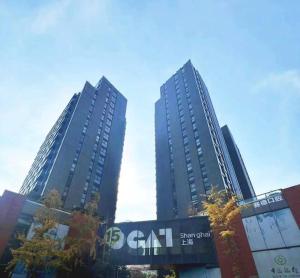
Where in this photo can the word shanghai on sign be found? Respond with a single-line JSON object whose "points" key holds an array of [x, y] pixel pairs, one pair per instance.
{"points": [[186, 240]]}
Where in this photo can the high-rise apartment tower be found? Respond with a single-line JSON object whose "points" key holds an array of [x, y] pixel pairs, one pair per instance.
{"points": [[191, 154], [238, 164], [82, 153]]}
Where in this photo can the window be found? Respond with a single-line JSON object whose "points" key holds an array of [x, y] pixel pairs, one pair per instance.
{"points": [[186, 149], [107, 129], [201, 159], [105, 136], [194, 196], [109, 116], [191, 179], [185, 140], [108, 122], [101, 160], [97, 180], [103, 151], [99, 171], [104, 144], [73, 166], [188, 157]]}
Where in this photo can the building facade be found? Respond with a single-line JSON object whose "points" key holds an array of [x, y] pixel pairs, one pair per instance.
{"points": [[191, 154], [82, 153], [238, 164]]}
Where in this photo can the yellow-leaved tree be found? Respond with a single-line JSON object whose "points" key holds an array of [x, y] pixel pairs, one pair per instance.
{"points": [[41, 252], [222, 209], [83, 239]]}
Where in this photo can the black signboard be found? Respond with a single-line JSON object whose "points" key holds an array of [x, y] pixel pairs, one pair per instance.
{"points": [[180, 241]]}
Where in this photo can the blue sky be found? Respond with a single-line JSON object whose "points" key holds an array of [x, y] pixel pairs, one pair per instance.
{"points": [[246, 51]]}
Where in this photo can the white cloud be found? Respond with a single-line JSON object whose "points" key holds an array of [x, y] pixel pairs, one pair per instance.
{"points": [[286, 81], [65, 11], [48, 16]]}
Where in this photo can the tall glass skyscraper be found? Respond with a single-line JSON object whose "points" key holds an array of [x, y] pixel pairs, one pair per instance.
{"points": [[82, 153], [191, 154]]}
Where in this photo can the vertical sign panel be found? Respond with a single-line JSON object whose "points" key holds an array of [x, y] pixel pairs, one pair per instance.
{"points": [[280, 263]]}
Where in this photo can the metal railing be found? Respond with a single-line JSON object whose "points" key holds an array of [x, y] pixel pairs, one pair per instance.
{"points": [[264, 199]]}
